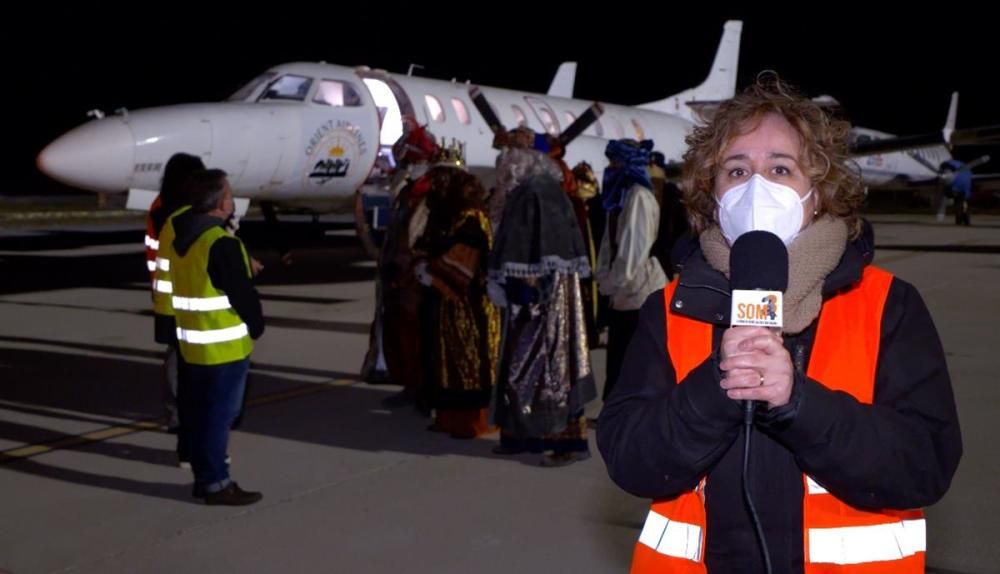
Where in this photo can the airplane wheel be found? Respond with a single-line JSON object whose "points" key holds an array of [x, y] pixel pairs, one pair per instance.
{"points": [[362, 228]]}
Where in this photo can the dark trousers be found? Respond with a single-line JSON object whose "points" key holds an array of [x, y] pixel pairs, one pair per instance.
{"points": [[211, 398], [961, 210], [621, 327], [170, 386]]}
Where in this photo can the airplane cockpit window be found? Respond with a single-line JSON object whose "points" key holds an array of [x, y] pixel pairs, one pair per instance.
{"points": [[288, 87], [460, 110], [337, 94], [434, 108], [246, 91], [522, 120]]}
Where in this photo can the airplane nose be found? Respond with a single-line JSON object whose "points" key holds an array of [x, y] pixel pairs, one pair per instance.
{"points": [[97, 156]]}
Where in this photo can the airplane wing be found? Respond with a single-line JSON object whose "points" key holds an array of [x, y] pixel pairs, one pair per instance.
{"points": [[977, 136], [901, 143], [983, 135]]}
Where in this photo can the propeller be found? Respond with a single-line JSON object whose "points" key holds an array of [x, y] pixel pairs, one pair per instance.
{"points": [[672, 169], [572, 131], [947, 176]]}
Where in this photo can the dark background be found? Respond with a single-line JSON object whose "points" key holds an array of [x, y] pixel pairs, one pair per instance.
{"points": [[891, 73]]}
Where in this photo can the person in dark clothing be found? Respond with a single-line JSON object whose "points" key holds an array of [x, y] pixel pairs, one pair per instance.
{"points": [[673, 217], [218, 314], [175, 173], [959, 188], [855, 427]]}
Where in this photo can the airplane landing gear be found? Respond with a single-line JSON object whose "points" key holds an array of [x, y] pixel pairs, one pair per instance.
{"points": [[278, 240]]}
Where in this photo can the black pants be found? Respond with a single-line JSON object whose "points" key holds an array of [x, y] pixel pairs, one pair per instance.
{"points": [[621, 327], [961, 210]]}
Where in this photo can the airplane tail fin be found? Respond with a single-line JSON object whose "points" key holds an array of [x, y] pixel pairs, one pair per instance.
{"points": [[949, 124], [564, 81], [718, 86]]}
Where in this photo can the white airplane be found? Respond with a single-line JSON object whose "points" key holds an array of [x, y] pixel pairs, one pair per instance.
{"points": [[310, 135], [899, 168], [890, 161]]}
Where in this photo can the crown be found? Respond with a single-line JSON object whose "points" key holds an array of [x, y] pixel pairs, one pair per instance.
{"points": [[451, 154]]}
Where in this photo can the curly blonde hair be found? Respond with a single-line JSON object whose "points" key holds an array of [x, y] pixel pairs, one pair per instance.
{"points": [[824, 151]]}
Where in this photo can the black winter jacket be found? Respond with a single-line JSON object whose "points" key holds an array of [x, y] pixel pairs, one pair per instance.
{"points": [[659, 439]]}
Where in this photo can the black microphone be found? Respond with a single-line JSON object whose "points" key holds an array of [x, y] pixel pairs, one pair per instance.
{"points": [[758, 274]]}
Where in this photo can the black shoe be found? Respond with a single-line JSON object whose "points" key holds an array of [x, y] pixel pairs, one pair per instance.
{"points": [[232, 495], [564, 458]]}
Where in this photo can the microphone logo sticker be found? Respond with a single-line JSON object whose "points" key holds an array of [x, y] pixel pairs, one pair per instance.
{"points": [[756, 308]]}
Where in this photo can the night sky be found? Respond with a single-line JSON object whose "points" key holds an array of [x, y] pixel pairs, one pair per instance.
{"points": [[895, 75]]}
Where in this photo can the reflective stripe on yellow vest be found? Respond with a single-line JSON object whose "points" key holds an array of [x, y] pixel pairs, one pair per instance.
{"points": [[162, 286], [838, 538], [152, 242], [209, 330]]}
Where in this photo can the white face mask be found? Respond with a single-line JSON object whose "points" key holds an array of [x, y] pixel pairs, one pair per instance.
{"points": [[761, 205]]}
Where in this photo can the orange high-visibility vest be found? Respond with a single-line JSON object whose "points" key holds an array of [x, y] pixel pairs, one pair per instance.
{"points": [[152, 241], [839, 538]]}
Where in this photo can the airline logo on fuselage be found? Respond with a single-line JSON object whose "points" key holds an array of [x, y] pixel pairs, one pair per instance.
{"points": [[333, 148]]}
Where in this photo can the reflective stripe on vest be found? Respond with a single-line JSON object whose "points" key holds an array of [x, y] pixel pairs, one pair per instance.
{"points": [[671, 537], [151, 236], [863, 544], [162, 285], [209, 330], [838, 538], [201, 303], [212, 336]]}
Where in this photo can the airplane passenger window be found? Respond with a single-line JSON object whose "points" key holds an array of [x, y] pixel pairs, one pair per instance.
{"points": [[617, 127], [549, 120], [639, 133], [288, 87], [247, 90], [434, 108], [522, 120], [337, 94], [598, 128], [460, 110], [545, 114]]}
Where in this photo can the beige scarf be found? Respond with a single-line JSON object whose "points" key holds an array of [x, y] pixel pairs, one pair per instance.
{"points": [[813, 254]]}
